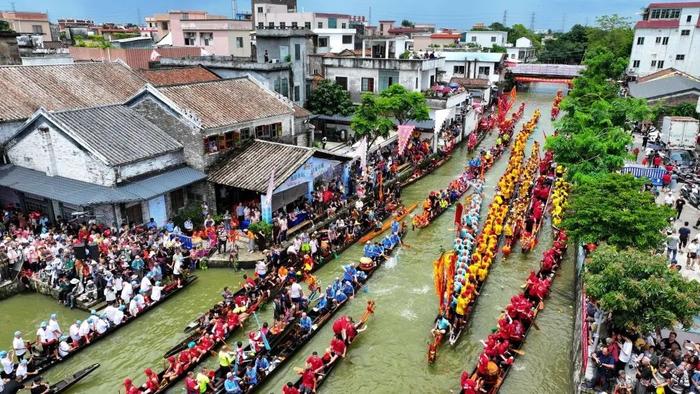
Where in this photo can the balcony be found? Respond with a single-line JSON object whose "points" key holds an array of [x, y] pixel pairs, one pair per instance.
{"points": [[384, 64], [450, 100]]}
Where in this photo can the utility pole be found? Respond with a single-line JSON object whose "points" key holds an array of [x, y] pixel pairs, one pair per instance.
{"points": [[138, 17], [505, 17], [532, 22], [13, 7], [235, 9], [563, 23], [369, 18]]}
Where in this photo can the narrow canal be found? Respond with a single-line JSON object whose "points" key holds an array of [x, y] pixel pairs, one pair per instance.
{"points": [[390, 357]]}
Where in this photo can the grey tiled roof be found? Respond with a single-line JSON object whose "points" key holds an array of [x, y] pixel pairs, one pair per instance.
{"points": [[252, 168], [226, 102], [86, 194], [60, 87], [661, 87], [117, 133]]}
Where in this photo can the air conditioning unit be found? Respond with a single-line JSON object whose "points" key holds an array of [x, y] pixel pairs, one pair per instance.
{"points": [[274, 60]]}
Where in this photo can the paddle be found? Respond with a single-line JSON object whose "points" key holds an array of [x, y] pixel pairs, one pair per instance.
{"points": [[264, 337], [518, 352]]}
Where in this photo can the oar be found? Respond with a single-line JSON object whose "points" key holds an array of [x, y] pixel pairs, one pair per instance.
{"points": [[518, 352], [264, 337]]}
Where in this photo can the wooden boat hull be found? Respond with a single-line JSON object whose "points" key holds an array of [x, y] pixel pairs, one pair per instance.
{"points": [[68, 382], [387, 224]]}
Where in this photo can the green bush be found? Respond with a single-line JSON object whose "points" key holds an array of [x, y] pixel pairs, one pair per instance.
{"points": [[191, 211], [262, 227]]}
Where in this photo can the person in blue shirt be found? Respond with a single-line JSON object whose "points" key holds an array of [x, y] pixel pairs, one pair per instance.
{"points": [[262, 363], [340, 297], [137, 265], [330, 291], [151, 225], [349, 273], [232, 384], [348, 289], [369, 249], [305, 322], [322, 303], [395, 226], [170, 226], [395, 239], [442, 325], [251, 375], [386, 243]]}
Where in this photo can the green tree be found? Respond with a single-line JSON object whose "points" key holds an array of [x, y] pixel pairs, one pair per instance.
{"points": [[498, 26], [330, 98], [519, 30], [684, 109], [613, 208], [498, 49], [639, 290], [614, 33], [5, 26], [567, 48], [407, 23], [375, 115]]}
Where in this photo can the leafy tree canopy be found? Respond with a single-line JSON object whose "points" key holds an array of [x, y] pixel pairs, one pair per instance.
{"points": [[519, 30], [374, 117], [330, 98], [612, 208], [639, 290], [614, 33], [407, 23], [5, 26]]}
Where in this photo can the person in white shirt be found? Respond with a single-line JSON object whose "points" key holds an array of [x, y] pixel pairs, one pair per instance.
{"points": [[54, 327], [145, 284], [140, 300], [21, 372], [295, 292], [19, 345], [7, 366], [127, 292], [74, 332], [156, 292], [261, 269], [109, 312], [118, 284], [133, 308], [110, 295], [119, 316], [101, 325], [63, 347], [85, 330]]}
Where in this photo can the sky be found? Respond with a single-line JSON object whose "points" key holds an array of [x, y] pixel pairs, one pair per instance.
{"points": [[548, 14]]}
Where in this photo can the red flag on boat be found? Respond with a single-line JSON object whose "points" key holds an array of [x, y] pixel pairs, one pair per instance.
{"points": [[458, 214]]}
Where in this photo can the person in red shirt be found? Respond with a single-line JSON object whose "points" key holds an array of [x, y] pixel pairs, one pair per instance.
{"points": [[308, 380], [130, 388], [290, 389], [315, 363], [233, 320], [340, 327], [191, 386], [338, 347], [469, 386], [152, 383]]}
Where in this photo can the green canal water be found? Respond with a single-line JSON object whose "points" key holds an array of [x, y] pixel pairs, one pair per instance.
{"points": [[390, 357]]}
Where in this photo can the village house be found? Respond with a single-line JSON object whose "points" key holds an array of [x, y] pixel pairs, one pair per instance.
{"points": [[522, 51], [485, 38]]}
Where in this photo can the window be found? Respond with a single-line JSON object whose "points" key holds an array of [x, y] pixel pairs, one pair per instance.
{"points": [[689, 18], [260, 10], [344, 25], [295, 25], [320, 25], [245, 133], [664, 41], [458, 70], [658, 40], [206, 38], [37, 29], [282, 86], [164, 26], [297, 51], [342, 81], [347, 39], [653, 63], [493, 38], [661, 64], [297, 93], [177, 199], [271, 25], [307, 25], [323, 42], [368, 84], [640, 40], [239, 42], [283, 25], [484, 70], [685, 32], [635, 64], [332, 23], [416, 83], [473, 38], [261, 25], [190, 38], [211, 144], [680, 57], [269, 130]]}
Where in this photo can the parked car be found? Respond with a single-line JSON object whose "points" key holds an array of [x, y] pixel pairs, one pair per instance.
{"points": [[679, 157]]}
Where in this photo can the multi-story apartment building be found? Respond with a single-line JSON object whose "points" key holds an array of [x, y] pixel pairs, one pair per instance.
{"points": [[29, 23], [667, 36], [485, 38]]}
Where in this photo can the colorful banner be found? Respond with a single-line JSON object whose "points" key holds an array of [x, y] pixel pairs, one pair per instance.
{"points": [[404, 135]]}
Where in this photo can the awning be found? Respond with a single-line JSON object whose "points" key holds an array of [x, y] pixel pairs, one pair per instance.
{"points": [[86, 194]]}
